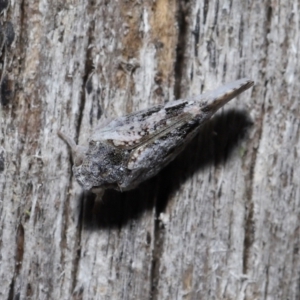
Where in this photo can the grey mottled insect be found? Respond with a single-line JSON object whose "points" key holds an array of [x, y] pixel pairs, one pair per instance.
{"points": [[133, 148]]}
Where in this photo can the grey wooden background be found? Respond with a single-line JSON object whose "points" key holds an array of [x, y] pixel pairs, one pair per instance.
{"points": [[221, 221]]}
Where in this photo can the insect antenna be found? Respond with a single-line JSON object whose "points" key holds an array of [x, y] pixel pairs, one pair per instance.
{"points": [[78, 152]]}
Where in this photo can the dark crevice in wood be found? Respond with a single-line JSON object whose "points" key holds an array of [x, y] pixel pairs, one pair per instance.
{"points": [[211, 49], [87, 71], [77, 294], [249, 233], [182, 16], [205, 10], [158, 243], [66, 207], [19, 248], [267, 284], [249, 222], [84, 196], [215, 23], [196, 33], [11, 295], [22, 45], [241, 36], [64, 228], [224, 68]]}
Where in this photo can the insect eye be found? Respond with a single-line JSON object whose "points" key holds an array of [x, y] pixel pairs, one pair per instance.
{"points": [[78, 161]]}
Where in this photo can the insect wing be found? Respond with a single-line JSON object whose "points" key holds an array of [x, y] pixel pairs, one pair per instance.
{"points": [[133, 130], [158, 134]]}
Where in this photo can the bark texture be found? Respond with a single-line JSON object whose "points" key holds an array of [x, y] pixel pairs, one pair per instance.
{"points": [[221, 221]]}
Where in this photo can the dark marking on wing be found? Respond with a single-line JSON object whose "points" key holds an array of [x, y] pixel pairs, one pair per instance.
{"points": [[176, 109], [149, 112]]}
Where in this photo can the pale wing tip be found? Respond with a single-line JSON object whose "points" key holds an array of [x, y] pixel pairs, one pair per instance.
{"points": [[222, 95], [241, 84], [247, 83], [233, 89]]}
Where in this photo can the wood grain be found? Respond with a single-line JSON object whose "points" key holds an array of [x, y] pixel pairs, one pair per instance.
{"points": [[221, 221]]}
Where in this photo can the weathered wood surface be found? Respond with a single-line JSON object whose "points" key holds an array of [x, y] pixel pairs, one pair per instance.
{"points": [[220, 222]]}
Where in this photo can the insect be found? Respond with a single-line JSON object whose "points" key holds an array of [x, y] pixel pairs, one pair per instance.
{"points": [[130, 149]]}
